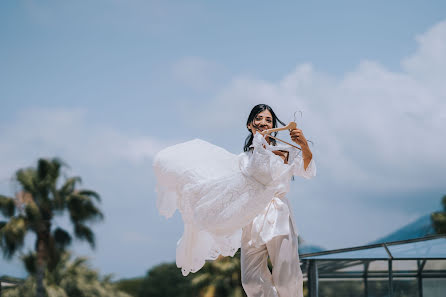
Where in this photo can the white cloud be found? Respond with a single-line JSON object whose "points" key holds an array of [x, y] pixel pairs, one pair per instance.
{"points": [[428, 64], [373, 128], [69, 134], [378, 139]]}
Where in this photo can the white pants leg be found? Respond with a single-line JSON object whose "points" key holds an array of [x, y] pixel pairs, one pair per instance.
{"points": [[286, 279]]}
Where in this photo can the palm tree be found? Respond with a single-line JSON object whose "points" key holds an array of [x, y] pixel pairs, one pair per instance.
{"points": [[439, 218], [220, 278], [69, 278], [32, 210]]}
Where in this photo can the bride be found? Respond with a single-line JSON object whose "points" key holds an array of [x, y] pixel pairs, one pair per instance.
{"points": [[232, 201]]}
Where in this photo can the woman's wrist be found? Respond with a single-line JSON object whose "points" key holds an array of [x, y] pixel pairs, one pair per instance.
{"points": [[306, 152]]}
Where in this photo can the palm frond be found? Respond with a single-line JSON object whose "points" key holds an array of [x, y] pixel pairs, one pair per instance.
{"points": [[82, 209], [62, 238], [69, 185], [12, 235], [68, 188], [29, 260], [84, 233], [201, 280], [46, 178], [48, 170], [227, 266], [7, 206], [26, 179], [78, 262], [33, 214], [58, 201], [90, 193]]}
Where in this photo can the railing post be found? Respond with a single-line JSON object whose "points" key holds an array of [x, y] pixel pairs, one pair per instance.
{"points": [[390, 279], [420, 265], [313, 279], [366, 283]]}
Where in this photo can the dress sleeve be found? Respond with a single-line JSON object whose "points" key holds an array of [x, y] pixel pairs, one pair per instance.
{"points": [[298, 163], [261, 164]]}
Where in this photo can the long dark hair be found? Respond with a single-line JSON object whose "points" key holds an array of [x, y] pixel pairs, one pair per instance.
{"points": [[254, 112]]}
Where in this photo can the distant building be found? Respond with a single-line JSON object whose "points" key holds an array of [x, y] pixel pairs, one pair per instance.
{"points": [[6, 283]]}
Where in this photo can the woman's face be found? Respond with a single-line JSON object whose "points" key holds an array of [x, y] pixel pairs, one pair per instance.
{"points": [[262, 121]]}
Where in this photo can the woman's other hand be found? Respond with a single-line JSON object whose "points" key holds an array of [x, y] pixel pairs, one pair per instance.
{"points": [[298, 137]]}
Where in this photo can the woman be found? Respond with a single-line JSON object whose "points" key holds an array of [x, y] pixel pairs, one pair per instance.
{"points": [[230, 201], [274, 229]]}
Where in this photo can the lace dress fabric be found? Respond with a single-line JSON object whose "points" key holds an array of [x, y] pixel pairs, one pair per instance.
{"points": [[218, 193]]}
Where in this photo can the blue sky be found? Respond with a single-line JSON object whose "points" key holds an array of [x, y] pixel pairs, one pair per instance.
{"points": [[106, 84]]}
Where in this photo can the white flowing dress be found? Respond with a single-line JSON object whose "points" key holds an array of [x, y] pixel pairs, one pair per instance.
{"points": [[218, 193]]}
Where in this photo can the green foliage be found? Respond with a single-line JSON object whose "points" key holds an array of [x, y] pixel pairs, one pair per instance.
{"points": [[220, 278], [7, 206], [166, 280], [83, 232], [70, 278], [62, 237], [439, 218], [32, 213], [35, 205], [33, 209], [12, 235], [130, 286], [29, 260], [27, 179]]}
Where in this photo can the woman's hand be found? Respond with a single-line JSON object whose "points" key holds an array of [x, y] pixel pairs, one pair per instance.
{"points": [[283, 155], [298, 137]]}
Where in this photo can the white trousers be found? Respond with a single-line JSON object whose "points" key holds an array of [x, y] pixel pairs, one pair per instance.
{"points": [[286, 279]]}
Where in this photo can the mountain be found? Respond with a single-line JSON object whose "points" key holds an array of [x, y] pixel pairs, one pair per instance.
{"points": [[309, 248], [419, 228]]}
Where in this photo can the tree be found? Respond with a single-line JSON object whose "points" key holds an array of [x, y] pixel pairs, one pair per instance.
{"points": [[166, 280], [130, 286], [439, 218], [32, 210], [220, 278], [69, 278]]}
